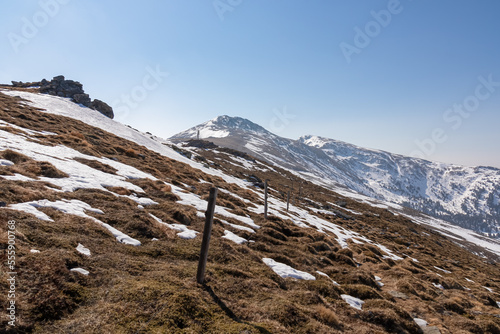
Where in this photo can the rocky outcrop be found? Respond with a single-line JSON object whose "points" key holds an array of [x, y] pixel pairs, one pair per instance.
{"points": [[103, 108], [59, 86]]}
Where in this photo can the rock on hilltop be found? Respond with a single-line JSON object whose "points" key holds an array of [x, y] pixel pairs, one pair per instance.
{"points": [[59, 86]]}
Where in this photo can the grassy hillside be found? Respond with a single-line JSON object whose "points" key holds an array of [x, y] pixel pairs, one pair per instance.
{"points": [[151, 288]]}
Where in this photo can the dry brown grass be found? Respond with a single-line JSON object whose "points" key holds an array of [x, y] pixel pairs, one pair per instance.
{"points": [[151, 288], [326, 316], [77, 134], [97, 165], [131, 153]]}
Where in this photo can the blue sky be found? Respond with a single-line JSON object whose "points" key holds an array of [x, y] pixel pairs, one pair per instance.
{"points": [[415, 77]]}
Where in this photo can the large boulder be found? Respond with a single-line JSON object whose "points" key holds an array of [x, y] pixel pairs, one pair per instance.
{"points": [[83, 99], [58, 86], [103, 108]]}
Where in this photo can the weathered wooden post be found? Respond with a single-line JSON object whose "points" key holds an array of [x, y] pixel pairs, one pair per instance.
{"points": [[288, 200], [207, 232], [265, 199]]}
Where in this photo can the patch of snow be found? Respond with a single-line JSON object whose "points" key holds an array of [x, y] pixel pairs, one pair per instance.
{"points": [[17, 177], [4, 162], [82, 249], [120, 236], [26, 131], [439, 286], [489, 289], [74, 207], [389, 253], [353, 301], [28, 208], [285, 271], [140, 200], [209, 133], [185, 233], [379, 281], [241, 162], [443, 270], [80, 176], [469, 280], [420, 322], [81, 271], [34, 251], [238, 227], [233, 237], [323, 274]]}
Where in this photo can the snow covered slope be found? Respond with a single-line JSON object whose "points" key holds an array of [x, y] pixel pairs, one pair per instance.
{"points": [[108, 220], [465, 196], [343, 168]]}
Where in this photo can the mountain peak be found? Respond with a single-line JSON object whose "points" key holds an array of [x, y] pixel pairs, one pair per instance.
{"points": [[221, 127], [315, 141], [234, 122]]}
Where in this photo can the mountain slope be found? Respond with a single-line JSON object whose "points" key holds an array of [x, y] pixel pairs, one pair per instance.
{"points": [[108, 226], [466, 196]]}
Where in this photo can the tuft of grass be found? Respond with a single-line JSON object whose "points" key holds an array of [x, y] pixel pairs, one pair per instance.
{"points": [[97, 165], [392, 317], [326, 316], [130, 152], [362, 292], [77, 134], [14, 156]]}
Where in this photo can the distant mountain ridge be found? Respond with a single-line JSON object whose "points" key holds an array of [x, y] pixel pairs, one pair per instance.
{"points": [[466, 196]]}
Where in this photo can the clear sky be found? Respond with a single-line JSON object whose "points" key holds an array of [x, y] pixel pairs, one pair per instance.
{"points": [[416, 77]]}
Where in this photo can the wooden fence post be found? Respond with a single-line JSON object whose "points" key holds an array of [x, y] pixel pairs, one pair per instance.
{"points": [[207, 232], [288, 200], [265, 199]]}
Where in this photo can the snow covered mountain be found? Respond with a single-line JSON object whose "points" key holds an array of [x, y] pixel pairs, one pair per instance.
{"points": [[465, 196]]}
